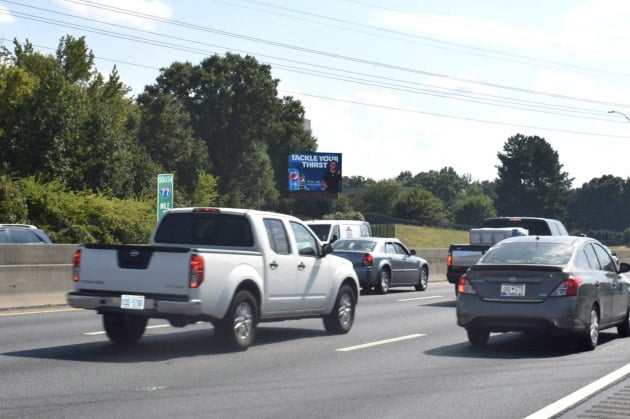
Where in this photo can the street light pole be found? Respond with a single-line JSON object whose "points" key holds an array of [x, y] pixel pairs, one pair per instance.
{"points": [[622, 114]]}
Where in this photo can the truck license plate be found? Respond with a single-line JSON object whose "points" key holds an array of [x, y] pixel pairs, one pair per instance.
{"points": [[133, 302], [512, 290]]}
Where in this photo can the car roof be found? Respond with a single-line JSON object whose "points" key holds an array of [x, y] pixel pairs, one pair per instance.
{"points": [[570, 240]]}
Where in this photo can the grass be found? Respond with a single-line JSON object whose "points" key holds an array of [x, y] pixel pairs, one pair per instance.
{"points": [[422, 237]]}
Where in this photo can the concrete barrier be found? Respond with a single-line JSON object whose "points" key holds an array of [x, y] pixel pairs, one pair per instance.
{"points": [[41, 275]]}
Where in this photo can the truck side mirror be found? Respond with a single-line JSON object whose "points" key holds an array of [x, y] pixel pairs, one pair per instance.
{"points": [[326, 249]]}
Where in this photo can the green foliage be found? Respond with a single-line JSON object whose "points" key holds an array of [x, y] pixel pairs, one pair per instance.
{"points": [[530, 179], [419, 205], [205, 194], [78, 217], [12, 203], [602, 203], [472, 207], [378, 197]]}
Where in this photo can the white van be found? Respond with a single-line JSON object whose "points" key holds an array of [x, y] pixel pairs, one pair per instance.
{"points": [[330, 230]]}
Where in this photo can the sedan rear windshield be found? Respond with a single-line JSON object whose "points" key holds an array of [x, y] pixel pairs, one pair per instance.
{"points": [[529, 253]]}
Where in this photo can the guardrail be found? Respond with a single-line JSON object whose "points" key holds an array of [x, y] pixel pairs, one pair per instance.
{"points": [[40, 275]]}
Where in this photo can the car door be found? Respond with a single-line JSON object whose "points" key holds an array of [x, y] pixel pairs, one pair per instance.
{"points": [[409, 273], [313, 271], [602, 282], [396, 262], [280, 291], [618, 288]]}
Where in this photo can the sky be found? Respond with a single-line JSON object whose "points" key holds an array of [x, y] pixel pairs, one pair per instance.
{"points": [[394, 86]]}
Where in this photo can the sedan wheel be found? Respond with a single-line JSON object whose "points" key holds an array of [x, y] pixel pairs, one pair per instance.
{"points": [[478, 337], [385, 278], [590, 339], [423, 281]]}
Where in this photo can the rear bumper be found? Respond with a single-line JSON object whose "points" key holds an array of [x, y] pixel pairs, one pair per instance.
{"points": [[555, 313], [153, 306]]}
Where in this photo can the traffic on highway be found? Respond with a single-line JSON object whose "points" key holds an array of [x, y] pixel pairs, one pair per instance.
{"points": [[405, 358]]}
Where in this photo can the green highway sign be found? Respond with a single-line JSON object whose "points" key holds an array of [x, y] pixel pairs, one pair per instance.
{"points": [[164, 194]]}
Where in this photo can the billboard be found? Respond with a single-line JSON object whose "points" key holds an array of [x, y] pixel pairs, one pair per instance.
{"points": [[314, 172]]}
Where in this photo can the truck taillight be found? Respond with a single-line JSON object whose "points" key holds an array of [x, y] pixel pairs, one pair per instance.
{"points": [[464, 286], [367, 259], [75, 265], [195, 276], [449, 260]]}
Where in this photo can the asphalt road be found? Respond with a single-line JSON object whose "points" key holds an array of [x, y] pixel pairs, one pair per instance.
{"points": [[404, 358]]}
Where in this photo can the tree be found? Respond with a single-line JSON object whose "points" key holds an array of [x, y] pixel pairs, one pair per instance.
{"points": [[530, 179], [233, 108], [601, 204], [419, 205], [472, 207], [444, 184], [379, 197]]}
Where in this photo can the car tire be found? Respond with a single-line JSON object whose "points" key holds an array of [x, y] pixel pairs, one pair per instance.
{"points": [[623, 330], [478, 337], [341, 318], [384, 281], [589, 340], [124, 329], [423, 281], [238, 327]]}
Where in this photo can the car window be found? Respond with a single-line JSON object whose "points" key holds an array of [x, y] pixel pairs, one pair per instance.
{"points": [[19, 235], [593, 262], [306, 243], [604, 258], [529, 253], [400, 249], [389, 248], [321, 230], [278, 239]]}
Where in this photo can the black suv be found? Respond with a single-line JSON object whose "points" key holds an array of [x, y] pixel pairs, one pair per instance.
{"points": [[22, 233]]}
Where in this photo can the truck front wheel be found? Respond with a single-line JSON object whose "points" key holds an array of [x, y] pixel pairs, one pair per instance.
{"points": [[124, 328], [341, 317], [238, 327]]}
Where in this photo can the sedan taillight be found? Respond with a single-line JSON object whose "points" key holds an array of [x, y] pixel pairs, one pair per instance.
{"points": [[464, 286], [367, 259], [567, 288]]}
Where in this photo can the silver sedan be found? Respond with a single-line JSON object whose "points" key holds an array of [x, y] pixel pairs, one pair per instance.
{"points": [[545, 284], [384, 262]]}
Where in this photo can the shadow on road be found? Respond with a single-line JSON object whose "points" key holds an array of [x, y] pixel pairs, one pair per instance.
{"points": [[518, 345], [161, 347]]}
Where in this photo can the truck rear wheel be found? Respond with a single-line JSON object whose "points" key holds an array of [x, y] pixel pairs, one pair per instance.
{"points": [[124, 328], [340, 319], [238, 327]]}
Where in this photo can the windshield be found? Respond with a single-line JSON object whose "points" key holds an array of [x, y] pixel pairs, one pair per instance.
{"points": [[356, 245], [533, 253], [320, 230]]}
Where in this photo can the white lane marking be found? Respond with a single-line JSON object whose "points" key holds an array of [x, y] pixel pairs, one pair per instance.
{"points": [[24, 313], [380, 342], [579, 395], [148, 327], [419, 298]]}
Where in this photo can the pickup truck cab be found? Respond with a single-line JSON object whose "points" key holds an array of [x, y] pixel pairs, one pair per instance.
{"points": [[460, 257], [231, 267]]}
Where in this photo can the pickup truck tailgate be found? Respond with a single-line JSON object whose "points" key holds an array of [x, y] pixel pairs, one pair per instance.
{"points": [[134, 268]]}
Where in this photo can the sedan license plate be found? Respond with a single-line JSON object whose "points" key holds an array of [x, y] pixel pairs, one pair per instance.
{"points": [[133, 302], [512, 290]]}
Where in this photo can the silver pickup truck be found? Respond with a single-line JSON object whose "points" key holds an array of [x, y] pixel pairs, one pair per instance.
{"points": [[233, 268], [460, 257]]}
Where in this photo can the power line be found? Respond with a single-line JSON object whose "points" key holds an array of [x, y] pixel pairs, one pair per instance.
{"points": [[304, 49], [452, 94]]}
